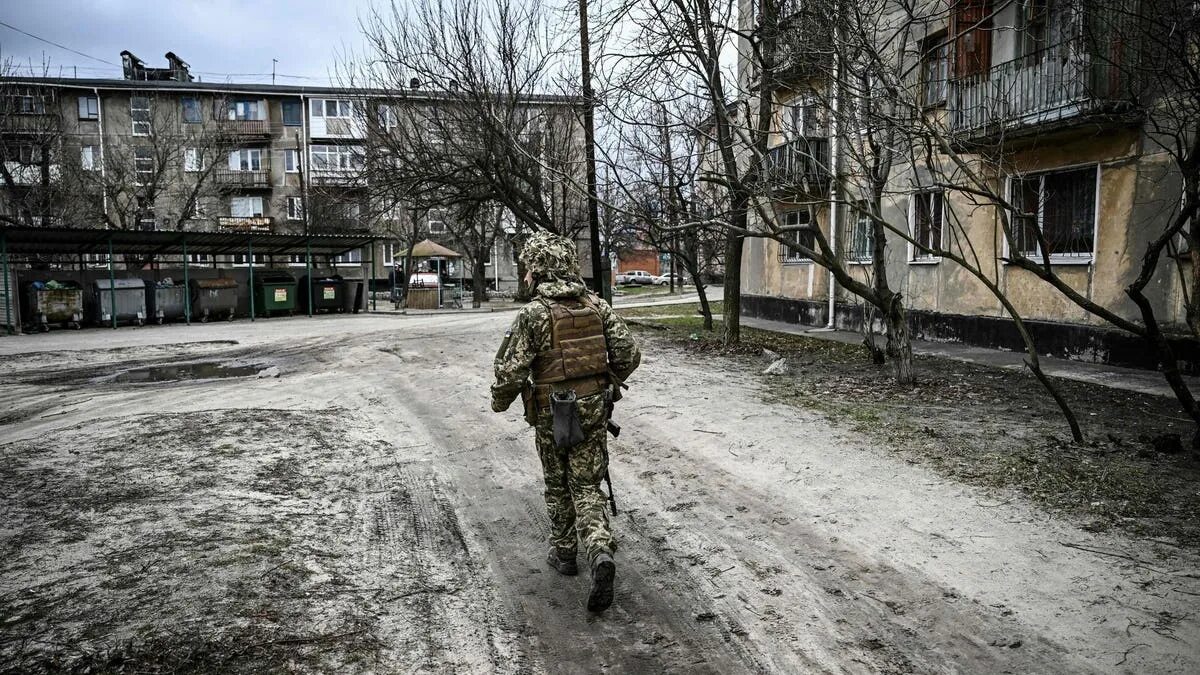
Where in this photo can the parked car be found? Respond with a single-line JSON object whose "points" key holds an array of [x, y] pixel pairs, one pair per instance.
{"points": [[665, 280], [635, 277]]}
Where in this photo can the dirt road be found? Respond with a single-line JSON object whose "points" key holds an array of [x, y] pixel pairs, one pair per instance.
{"points": [[354, 505]]}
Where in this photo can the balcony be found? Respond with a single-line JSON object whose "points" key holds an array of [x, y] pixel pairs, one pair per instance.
{"points": [[31, 174], [1056, 87], [244, 128], [798, 166], [245, 223], [347, 178], [28, 123], [245, 180]]}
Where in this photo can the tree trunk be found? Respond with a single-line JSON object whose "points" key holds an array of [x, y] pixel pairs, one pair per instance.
{"points": [[705, 308], [408, 260], [478, 281], [1166, 357], [899, 342], [732, 311]]}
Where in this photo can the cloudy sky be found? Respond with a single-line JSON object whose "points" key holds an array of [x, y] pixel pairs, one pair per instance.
{"points": [[219, 38]]}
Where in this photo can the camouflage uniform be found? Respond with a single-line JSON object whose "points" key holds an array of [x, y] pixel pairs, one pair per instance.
{"points": [[574, 500]]}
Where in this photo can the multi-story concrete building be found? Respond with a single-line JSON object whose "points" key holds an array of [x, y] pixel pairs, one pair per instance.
{"points": [[1043, 117], [160, 150]]}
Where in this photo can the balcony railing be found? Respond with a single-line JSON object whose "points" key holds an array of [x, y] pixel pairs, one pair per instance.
{"points": [[28, 123], [348, 178], [243, 179], [1052, 85], [243, 128], [31, 174], [245, 223], [800, 165]]}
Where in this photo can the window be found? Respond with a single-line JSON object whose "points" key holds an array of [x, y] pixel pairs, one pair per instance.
{"points": [[193, 161], [351, 257], [191, 110], [291, 161], [295, 208], [334, 158], [89, 108], [143, 166], [973, 38], [26, 104], [139, 114], [935, 65], [246, 159], [245, 207], [862, 239], [806, 238], [387, 117], [197, 210], [291, 113], [1060, 204], [330, 108], [88, 157], [437, 221], [926, 221], [802, 118], [146, 222], [1033, 23], [240, 259], [202, 258], [244, 110]]}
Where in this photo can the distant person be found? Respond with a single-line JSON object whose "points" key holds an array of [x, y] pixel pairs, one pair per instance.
{"points": [[566, 355]]}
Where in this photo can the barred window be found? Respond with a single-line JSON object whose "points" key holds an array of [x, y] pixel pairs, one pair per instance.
{"points": [[805, 238], [862, 238], [927, 220], [1062, 206]]}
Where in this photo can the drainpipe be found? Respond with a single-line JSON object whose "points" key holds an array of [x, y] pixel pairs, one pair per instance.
{"points": [[103, 176], [833, 180]]}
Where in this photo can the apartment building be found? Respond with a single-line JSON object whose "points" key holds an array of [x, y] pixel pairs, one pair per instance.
{"points": [[1043, 119], [159, 149]]}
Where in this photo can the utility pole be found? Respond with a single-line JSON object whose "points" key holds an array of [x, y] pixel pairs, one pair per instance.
{"points": [[589, 139]]}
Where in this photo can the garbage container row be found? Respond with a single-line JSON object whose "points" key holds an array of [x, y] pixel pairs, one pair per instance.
{"points": [[106, 302]]}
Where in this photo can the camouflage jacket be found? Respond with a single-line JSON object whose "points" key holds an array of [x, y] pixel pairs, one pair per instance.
{"points": [[530, 335]]}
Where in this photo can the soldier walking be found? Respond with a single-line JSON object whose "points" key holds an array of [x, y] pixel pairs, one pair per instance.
{"points": [[566, 355]]}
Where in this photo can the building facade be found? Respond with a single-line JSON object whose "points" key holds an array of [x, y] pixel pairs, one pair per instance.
{"points": [[1042, 154]]}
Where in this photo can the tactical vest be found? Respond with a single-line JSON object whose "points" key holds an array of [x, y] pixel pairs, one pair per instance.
{"points": [[578, 354]]}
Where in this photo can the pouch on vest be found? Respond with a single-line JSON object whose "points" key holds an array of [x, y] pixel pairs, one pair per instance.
{"points": [[568, 432], [529, 402]]}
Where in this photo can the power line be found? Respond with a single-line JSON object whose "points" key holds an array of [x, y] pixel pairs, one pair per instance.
{"points": [[51, 42]]}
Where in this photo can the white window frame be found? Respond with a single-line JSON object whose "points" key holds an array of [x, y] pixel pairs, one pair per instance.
{"points": [[88, 156], [199, 258], [193, 161], [915, 256], [255, 206], [291, 156], [134, 110], [791, 257], [246, 159], [239, 259], [343, 108], [197, 210], [140, 171], [858, 218], [1058, 258], [353, 257], [295, 208], [343, 158], [440, 219]]}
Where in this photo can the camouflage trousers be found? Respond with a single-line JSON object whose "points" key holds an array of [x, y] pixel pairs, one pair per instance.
{"points": [[577, 506]]}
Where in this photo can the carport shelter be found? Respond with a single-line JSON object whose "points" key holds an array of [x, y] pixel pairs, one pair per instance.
{"points": [[78, 242]]}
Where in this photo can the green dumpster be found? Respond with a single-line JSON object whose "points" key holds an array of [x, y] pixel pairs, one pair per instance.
{"points": [[276, 292]]}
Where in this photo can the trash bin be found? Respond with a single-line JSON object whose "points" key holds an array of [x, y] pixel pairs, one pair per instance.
{"points": [[326, 293], [213, 298], [54, 302], [353, 295], [128, 296], [165, 300], [276, 292]]}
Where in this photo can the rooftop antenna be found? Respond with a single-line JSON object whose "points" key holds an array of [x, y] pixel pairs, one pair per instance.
{"points": [[273, 62]]}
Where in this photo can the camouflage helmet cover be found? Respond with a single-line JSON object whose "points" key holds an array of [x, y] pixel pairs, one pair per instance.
{"points": [[547, 255]]}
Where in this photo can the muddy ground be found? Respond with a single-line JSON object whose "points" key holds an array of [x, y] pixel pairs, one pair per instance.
{"points": [[354, 506]]}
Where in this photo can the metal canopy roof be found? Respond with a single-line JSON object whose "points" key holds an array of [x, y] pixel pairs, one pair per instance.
{"points": [[75, 241]]}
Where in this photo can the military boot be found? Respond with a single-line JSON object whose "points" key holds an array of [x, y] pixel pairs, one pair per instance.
{"points": [[563, 561], [604, 571]]}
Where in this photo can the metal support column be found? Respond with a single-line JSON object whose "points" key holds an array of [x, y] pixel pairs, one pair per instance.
{"points": [[308, 273], [250, 258], [8, 298], [112, 285], [371, 280], [187, 287]]}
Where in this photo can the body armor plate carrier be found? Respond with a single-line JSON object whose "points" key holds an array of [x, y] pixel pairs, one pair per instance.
{"points": [[578, 356]]}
